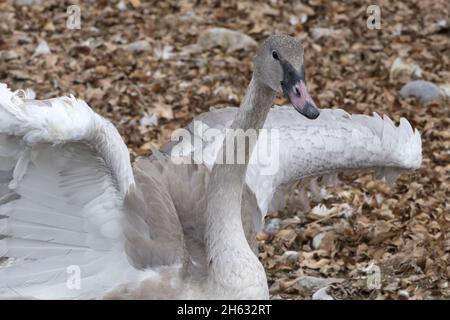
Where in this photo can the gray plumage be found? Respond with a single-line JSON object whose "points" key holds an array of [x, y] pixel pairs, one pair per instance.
{"points": [[71, 201]]}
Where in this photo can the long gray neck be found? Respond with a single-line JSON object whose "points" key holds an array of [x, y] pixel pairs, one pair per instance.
{"points": [[254, 107], [229, 255]]}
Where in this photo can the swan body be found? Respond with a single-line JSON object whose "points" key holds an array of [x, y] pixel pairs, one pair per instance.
{"points": [[78, 221]]}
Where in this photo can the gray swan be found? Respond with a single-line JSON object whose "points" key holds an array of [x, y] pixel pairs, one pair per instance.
{"points": [[79, 222]]}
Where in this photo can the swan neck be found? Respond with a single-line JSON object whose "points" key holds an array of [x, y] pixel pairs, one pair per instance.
{"points": [[254, 107], [229, 255]]}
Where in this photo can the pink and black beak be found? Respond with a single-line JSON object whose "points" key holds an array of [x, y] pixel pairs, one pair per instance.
{"points": [[294, 88]]}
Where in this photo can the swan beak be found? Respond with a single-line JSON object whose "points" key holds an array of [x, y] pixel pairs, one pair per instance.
{"points": [[302, 102], [294, 88]]}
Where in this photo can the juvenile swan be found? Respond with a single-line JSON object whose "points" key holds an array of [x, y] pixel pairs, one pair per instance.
{"points": [[78, 223], [233, 268]]}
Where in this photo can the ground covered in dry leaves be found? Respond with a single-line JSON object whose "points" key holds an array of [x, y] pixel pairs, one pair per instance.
{"points": [[142, 65]]}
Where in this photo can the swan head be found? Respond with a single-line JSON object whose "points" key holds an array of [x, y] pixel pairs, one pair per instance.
{"points": [[279, 65]]}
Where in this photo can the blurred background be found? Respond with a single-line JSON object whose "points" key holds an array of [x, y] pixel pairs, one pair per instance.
{"points": [[151, 66]]}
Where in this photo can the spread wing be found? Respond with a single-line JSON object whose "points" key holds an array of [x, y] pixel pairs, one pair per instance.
{"points": [[65, 231], [334, 142]]}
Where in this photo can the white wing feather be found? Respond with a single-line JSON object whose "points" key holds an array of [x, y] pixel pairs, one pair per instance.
{"points": [[63, 176], [336, 141]]}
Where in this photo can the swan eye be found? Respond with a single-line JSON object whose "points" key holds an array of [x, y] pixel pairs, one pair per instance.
{"points": [[275, 55]]}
